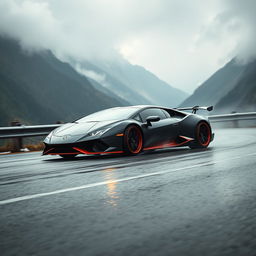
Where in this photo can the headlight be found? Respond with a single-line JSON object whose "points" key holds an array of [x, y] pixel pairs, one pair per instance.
{"points": [[98, 132], [48, 137]]}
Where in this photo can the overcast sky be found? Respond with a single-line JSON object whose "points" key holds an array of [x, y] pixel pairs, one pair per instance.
{"points": [[181, 41]]}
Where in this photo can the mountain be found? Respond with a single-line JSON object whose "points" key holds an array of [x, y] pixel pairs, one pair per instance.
{"points": [[38, 88], [231, 88], [218, 85], [242, 98], [104, 81], [134, 83]]}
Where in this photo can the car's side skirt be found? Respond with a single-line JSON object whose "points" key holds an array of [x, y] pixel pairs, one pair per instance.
{"points": [[171, 144]]}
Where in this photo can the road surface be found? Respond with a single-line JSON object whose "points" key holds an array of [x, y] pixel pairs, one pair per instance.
{"points": [[169, 202]]}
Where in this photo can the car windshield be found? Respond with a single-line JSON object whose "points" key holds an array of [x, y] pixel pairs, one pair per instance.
{"points": [[110, 114]]}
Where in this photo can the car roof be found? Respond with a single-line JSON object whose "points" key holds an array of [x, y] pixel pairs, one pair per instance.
{"points": [[143, 106], [139, 108]]}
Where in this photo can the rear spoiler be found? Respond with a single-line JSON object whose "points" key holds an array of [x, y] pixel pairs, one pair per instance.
{"points": [[195, 108]]}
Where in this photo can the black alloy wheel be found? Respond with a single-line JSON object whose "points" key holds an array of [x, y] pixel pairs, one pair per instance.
{"points": [[133, 140], [202, 136]]}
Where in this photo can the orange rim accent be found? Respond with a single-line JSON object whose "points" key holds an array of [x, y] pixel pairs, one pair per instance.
{"points": [[140, 142], [206, 143]]}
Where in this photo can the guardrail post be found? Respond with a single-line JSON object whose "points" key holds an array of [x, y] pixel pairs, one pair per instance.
{"points": [[16, 143], [235, 121], [235, 124]]}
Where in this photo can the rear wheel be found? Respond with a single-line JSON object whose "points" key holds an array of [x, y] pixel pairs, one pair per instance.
{"points": [[68, 156], [202, 136], [133, 140]]}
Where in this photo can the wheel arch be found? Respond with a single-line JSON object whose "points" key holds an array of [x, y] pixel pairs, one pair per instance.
{"points": [[197, 143], [189, 124], [208, 123], [139, 127], [136, 124]]}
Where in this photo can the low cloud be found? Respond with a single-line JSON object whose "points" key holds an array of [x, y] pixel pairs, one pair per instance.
{"points": [[100, 78], [183, 42], [241, 20], [233, 29], [30, 22]]}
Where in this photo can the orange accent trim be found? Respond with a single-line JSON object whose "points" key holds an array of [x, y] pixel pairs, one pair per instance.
{"points": [[186, 138], [170, 145], [95, 153], [119, 134], [45, 153]]}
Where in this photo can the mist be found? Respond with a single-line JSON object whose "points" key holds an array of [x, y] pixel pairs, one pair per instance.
{"points": [[182, 42]]}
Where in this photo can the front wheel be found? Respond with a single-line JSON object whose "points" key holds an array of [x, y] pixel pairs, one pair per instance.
{"points": [[202, 136], [133, 140]]}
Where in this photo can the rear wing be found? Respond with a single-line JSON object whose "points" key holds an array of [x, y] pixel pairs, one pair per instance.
{"points": [[196, 108]]}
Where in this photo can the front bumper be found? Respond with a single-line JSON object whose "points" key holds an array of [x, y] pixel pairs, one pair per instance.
{"points": [[108, 145]]}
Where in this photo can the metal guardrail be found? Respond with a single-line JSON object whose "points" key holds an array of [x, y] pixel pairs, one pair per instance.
{"points": [[232, 117], [41, 130], [16, 133], [26, 131]]}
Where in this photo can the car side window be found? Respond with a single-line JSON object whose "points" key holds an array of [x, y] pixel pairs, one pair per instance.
{"points": [[152, 112], [166, 113], [137, 118]]}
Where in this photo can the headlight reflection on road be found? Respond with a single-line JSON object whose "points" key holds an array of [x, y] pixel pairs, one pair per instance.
{"points": [[109, 176]]}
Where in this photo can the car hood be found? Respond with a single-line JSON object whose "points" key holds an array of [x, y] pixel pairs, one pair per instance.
{"points": [[82, 128]]}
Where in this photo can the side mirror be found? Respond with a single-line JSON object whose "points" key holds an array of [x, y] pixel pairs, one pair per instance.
{"points": [[151, 119]]}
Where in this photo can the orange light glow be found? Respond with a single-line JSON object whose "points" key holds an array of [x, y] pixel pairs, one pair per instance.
{"points": [[109, 176], [171, 144]]}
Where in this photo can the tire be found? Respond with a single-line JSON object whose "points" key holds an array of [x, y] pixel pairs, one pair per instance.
{"points": [[68, 156], [133, 140], [202, 136]]}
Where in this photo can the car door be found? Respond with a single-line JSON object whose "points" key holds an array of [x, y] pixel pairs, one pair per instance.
{"points": [[160, 132]]}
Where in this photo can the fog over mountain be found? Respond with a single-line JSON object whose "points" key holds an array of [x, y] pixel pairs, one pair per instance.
{"points": [[231, 89], [182, 42], [134, 50], [131, 82], [39, 89], [242, 98], [218, 85]]}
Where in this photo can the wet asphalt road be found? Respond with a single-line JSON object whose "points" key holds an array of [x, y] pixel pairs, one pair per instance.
{"points": [[168, 202]]}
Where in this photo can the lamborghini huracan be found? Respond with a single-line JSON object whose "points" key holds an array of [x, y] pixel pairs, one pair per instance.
{"points": [[130, 130]]}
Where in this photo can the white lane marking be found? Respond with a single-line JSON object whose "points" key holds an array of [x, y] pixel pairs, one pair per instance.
{"points": [[28, 197]]}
